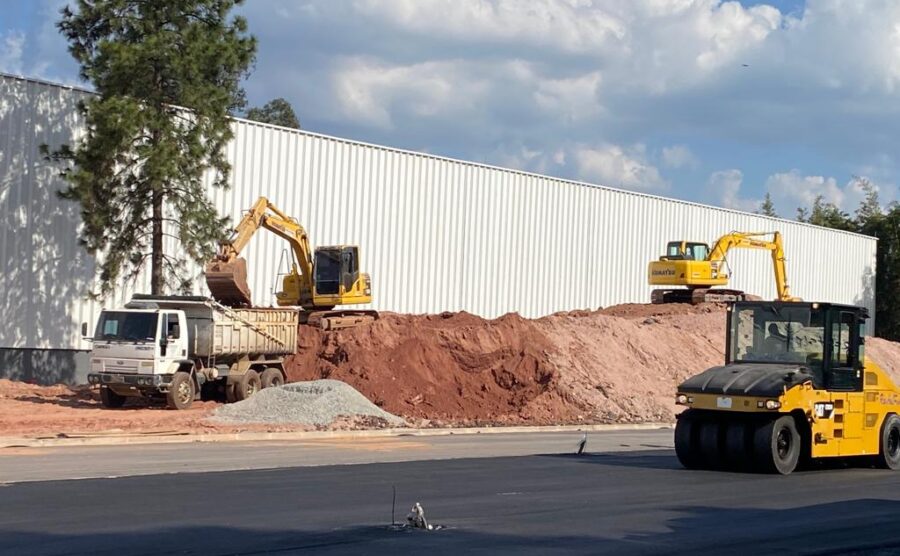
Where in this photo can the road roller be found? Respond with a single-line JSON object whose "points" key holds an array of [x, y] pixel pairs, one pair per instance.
{"points": [[796, 387]]}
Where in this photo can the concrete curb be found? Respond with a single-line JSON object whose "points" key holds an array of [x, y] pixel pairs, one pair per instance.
{"points": [[115, 440]]}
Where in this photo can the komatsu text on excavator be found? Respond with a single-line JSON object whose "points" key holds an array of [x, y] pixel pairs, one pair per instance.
{"points": [[796, 386], [700, 268], [317, 282]]}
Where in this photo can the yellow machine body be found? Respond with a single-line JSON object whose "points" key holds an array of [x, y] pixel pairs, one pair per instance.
{"points": [[698, 267], [803, 361]]}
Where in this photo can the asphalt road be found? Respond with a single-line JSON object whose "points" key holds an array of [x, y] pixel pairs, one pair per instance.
{"points": [[48, 463], [639, 502]]}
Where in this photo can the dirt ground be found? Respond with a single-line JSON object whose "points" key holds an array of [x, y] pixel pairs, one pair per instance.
{"points": [[619, 364]]}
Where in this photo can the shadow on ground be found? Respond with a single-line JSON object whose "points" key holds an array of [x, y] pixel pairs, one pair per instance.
{"points": [[868, 526]]}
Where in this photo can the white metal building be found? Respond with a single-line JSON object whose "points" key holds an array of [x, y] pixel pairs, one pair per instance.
{"points": [[436, 234]]}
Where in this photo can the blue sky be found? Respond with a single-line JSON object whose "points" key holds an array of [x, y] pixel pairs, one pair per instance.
{"points": [[716, 102]]}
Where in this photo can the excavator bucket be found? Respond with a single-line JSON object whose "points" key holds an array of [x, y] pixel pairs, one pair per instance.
{"points": [[227, 282]]}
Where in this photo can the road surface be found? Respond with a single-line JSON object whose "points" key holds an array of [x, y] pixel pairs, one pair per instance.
{"points": [[635, 502]]}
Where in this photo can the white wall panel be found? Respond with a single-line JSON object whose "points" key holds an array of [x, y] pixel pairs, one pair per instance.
{"points": [[436, 234]]}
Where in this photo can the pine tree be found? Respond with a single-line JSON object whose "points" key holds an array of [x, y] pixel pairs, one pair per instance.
{"points": [[277, 112], [767, 208], [870, 207], [167, 74]]}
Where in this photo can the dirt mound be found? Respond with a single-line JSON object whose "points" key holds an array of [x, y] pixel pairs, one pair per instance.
{"points": [[618, 364], [451, 367]]}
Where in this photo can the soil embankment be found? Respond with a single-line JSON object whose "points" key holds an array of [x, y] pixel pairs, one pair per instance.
{"points": [[620, 365]]}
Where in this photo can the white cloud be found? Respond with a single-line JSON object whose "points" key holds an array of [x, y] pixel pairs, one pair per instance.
{"points": [[566, 25], [792, 189], [725, 185], [679, 156], [12, 44], [611, 165]]}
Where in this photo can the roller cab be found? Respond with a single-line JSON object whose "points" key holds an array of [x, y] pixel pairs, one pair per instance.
{"points": [[795, 386]]}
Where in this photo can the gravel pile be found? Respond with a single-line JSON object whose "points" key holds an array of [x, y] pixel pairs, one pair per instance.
{"points": [[318, 403]]}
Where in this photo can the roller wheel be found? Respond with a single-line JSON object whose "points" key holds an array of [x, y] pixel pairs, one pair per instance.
{"points": [[181, 391], [686, 448], [738, 445], [776, 446], [889, 455], [247, 385], [710, 447], [271, 377], [110, 399]]}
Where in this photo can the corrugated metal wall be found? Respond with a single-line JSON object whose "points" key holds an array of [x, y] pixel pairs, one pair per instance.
{"points": [[436, 234]]}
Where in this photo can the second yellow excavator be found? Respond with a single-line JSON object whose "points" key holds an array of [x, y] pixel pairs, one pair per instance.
{"points": [[317, 282], [700, 268]]}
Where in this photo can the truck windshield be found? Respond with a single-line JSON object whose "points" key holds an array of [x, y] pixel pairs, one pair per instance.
{"points": [[126, 326], [777, 334]]}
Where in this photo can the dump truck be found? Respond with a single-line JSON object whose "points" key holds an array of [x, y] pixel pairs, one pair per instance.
{"points": [[700, 269], [795, 387], [179, 347], [319, 281]]}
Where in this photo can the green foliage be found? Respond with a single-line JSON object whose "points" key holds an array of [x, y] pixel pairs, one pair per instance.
{"points": [[886, 227], [870, 219], [829, 216], [767, 207], [277, 112], [167, 74]]}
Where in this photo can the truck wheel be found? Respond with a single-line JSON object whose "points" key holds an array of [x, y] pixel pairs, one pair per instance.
{"points": [[247, 385], [889, 455], [737, 445], [181, 391], [110, 399], [271, 377], [686, 440], [776, 446]]}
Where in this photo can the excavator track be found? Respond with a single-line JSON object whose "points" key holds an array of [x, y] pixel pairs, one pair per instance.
{"points": [[338, 320], [697, 296]]}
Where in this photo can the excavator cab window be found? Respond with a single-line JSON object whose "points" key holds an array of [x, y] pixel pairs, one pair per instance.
{"points": [[350, 267], [690, 251], [328, 264]]}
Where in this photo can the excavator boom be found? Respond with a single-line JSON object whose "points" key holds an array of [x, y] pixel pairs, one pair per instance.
{"points": [[226, 275]]}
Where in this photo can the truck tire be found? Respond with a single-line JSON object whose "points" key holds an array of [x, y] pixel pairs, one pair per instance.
{"points": [[686, 448], [889, 455], [181, 391], [271, 377], [110, 399], [776, 446], [247, 385]]}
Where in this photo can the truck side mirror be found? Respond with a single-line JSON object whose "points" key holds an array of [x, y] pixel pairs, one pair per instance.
{"points": [[84, 330]]}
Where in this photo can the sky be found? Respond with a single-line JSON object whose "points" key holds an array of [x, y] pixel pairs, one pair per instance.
{"points": [[708, 101]]}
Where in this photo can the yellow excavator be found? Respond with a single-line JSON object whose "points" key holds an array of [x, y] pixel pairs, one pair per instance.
{"points": [[700, 268], [318, 281]]}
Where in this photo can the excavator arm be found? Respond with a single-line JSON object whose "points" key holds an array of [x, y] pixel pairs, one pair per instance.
{"points": [[226, 275], [756, 240]]}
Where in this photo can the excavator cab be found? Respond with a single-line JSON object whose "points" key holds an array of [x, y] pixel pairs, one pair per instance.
{"points": [[685, 251], [337, 280]]}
